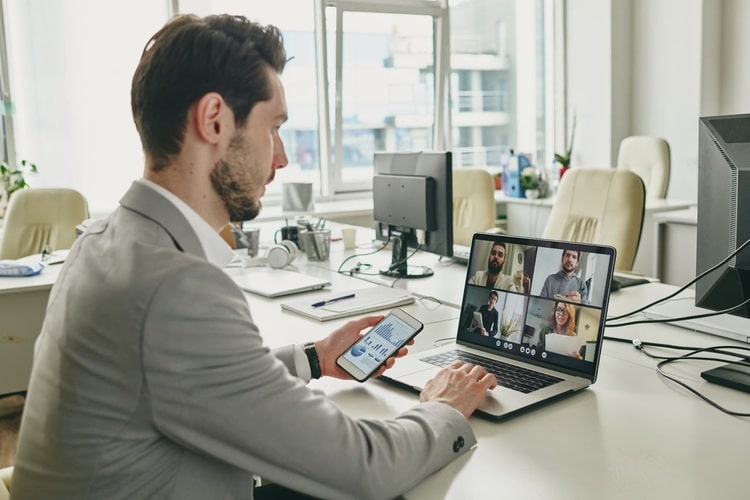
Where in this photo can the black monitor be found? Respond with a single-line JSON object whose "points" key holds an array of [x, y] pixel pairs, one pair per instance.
{"points": [[413, 206], [723, 211]]}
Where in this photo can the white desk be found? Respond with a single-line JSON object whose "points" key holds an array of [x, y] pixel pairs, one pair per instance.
{"points": [[675, 237], [631, 435], [22, 305]]}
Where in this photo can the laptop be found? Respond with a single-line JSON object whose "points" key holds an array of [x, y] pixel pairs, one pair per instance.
{"points": [[536, 358], [278, 282]]}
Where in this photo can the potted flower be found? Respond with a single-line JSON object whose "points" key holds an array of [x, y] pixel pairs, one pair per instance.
{"points": [[564, 160], [529, 181], [12, 179]]}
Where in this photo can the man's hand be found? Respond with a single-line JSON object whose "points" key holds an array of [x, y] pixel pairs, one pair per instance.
{"points": [[462, 386], [574, 296], [340, 339]]}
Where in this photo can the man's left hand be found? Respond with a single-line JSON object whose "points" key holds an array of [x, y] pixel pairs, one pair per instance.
{"points": [[341, 339]]}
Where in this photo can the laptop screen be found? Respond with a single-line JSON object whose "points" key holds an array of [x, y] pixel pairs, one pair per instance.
{"points": [[540, 301]]}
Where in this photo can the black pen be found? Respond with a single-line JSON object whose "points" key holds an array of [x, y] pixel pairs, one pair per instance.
{"points": [[330, 301]]}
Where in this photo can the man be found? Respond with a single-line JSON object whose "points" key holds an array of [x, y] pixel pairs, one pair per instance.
{"points": [[489, 315], [150, 378], [565, 283], [493, 277]]}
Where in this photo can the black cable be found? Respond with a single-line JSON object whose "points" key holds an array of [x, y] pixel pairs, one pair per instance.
{"points": [[692, 355], [359, 255], [678, 318], [685, 286]]}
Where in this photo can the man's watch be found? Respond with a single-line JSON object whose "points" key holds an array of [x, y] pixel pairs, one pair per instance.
{"points": [[312, 358]]}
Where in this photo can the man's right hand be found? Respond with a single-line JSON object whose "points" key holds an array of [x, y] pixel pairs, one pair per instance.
{"points": [[462, 386]]}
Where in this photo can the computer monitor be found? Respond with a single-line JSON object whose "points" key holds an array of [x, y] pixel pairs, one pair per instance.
{"points": [[723, 211], [413, 206]]}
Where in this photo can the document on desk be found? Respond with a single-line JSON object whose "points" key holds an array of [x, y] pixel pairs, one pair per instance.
{"points": [[363, 300]]}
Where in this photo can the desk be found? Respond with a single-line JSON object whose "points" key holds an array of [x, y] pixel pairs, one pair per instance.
{"points": [[631, 435], [23, 302], [529, 218]]}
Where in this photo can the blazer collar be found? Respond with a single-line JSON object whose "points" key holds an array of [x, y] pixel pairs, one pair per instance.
{"points": [[150, 204]]}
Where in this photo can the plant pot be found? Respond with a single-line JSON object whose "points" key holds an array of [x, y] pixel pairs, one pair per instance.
{"points": [[532, 194]]}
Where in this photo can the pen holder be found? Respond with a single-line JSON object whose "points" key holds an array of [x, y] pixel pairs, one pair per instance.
{"points": [[316, 244]]}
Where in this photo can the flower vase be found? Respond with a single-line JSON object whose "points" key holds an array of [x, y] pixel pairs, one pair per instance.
{"points": [[563, 169], [532, 194]]}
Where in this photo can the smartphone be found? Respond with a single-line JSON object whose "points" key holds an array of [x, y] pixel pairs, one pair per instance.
{"points": [[365, 356]]}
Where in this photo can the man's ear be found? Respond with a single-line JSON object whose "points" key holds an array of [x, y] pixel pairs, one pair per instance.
{"points": [[211, 113]]}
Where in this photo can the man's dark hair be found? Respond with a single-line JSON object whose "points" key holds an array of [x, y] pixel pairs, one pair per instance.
{"points": [[191, 56], [578, 253], [493, 292], [499, 244]]}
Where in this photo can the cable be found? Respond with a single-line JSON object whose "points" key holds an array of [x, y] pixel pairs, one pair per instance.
{"points": [[678, 318], [683, 288], [359, 255], [693, 354]]}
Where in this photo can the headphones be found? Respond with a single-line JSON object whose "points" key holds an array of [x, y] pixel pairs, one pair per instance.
{"points": [[278, 256]]}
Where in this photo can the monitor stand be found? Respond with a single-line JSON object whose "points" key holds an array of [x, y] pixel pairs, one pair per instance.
{"points": [[399, 267], [723, 325]]}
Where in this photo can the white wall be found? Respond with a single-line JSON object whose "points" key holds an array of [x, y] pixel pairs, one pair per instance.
{"points": [[653, 67]]}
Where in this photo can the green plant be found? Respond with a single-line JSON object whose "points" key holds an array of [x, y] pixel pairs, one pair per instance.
{"points": [[14, 178], [508, 326], [529, 178], [564, 160]]}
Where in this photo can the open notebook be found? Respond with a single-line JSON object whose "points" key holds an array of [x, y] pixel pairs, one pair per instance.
{"points": [[324, 307]]}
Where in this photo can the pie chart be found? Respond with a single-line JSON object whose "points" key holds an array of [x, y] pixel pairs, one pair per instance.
{"points": [[358, 350]]}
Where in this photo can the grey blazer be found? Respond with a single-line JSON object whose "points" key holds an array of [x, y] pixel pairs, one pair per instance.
{"points": [[150, 380]]}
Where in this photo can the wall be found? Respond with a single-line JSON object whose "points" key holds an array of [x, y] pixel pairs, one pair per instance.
{"points": [[653, 67]]}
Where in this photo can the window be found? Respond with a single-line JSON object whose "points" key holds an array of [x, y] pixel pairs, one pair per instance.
{"points": [[364, 76]]}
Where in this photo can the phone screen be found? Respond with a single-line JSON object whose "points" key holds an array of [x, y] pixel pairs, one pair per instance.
{"points": [[381, 342]]}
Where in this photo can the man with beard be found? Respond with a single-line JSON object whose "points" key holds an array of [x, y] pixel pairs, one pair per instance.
{"points": [[150, 378], [492, 277], [565, 284]]}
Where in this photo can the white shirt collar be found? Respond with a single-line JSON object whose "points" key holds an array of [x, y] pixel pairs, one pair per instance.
{"points": [[216, 249]]}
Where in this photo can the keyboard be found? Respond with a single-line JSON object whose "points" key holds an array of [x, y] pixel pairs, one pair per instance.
{"points": [[510, 376]]}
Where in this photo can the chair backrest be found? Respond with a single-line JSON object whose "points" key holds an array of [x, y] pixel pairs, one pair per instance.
{"points": [[474, 208], [5, 477], [41, 217], [648, 157], [603, 206]]}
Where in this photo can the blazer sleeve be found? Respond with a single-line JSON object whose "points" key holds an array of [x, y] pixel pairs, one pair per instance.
{"points": [[214, 388]]}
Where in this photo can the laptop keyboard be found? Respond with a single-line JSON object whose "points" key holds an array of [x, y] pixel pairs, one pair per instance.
{"points": [[510, 376]]}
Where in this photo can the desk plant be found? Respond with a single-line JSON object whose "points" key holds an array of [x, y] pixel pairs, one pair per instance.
{"points": [[12, 179], [564, 159], [530, 181]]}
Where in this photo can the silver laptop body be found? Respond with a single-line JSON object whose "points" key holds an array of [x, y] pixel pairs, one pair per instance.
{"points": [[528, 331]]}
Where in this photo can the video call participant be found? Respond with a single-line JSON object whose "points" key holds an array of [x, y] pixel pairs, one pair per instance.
{"points": [[562, 322], [150, 377], [492, 277], [489, 316], [565, 283]]}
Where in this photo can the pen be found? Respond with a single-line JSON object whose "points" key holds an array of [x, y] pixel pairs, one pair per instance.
{"points": [[330, 301]]}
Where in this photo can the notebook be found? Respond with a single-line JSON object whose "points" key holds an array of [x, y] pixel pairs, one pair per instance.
{"points": [[344, 303], [277, 282], [530, 372]]}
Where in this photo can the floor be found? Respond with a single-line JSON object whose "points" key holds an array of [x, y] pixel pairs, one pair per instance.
{"points": [[10, 420]]}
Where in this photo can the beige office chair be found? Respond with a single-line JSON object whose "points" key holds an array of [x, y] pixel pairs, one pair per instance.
{"points": [[41, 217], [648, 157], [5, 476], [603, 206], [473, 204]]}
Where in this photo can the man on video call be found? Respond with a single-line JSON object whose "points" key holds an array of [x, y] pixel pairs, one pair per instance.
{"points": [[150, 377], [565, 283], [492, 277]]}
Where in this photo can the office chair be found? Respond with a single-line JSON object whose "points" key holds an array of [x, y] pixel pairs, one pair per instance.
{"points": [[602, 206], [5, 476], [648, 157], [37, 218], [474, 208]]}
